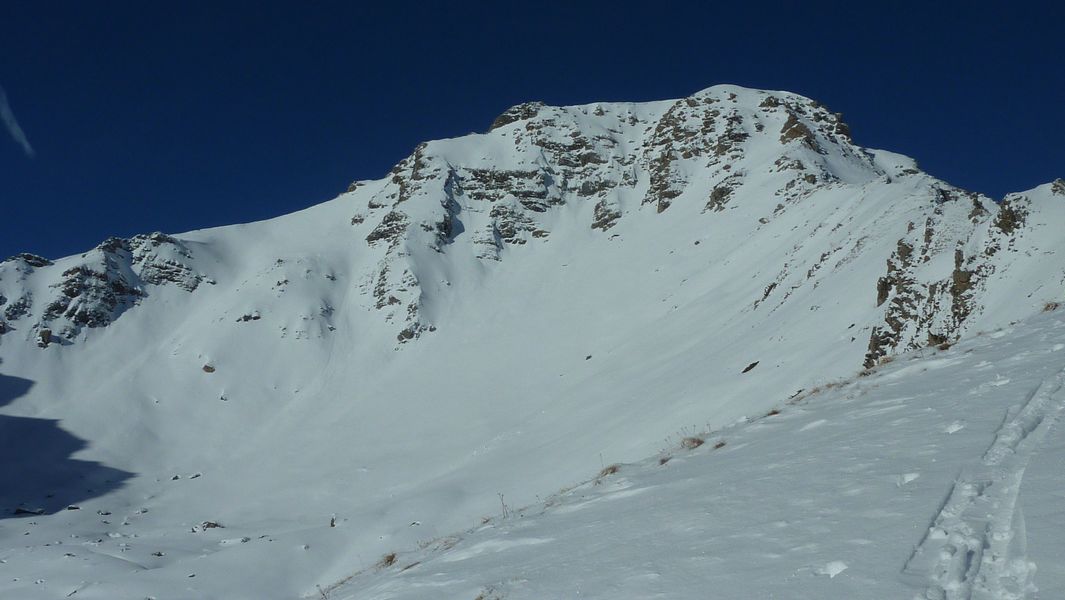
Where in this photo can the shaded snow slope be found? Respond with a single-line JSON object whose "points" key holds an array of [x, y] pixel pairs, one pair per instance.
{"points": [[504, 313], [907, 483]]}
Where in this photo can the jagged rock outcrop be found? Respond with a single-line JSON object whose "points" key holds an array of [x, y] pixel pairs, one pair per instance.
{"points": [[612, 158], [30, 260], [941, 271], [96, 288]]}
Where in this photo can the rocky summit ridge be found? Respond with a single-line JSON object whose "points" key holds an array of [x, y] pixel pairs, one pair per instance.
{"points": [[742, 158]]}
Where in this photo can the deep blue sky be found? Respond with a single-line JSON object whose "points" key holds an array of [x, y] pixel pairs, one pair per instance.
{"points": [[157, 116]]}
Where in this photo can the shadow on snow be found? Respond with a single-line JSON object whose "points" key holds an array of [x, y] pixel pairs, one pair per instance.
{"points": [[37, 473]]}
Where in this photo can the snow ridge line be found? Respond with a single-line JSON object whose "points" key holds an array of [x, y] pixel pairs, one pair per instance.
{"points": [[975, 547]]}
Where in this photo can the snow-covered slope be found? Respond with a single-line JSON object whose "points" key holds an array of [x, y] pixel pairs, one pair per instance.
{"points": [[920, 480], [503, 314]]}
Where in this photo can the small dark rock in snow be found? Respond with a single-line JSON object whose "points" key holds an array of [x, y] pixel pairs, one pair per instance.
{"points": [[751, 366], [691, 443]]}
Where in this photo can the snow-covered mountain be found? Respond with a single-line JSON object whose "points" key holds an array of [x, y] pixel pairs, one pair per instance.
{"points": [[503, 315]]}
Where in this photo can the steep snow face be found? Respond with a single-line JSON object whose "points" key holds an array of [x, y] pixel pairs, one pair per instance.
{"points": [[503, 314], [919, 480]]}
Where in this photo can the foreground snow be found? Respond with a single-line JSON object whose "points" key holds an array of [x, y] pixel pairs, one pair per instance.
{"points": [[906, 483]]}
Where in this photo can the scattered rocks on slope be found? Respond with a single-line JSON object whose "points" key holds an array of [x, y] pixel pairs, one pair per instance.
{"points": [[605, 215], [19, 308], [1010, 216], [389, 229]]}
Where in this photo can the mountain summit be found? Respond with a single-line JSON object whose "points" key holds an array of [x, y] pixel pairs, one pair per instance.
{"points": [[501, 315], [732, 160]]}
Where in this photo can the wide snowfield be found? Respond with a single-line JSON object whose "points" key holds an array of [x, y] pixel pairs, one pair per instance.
{"points": [[937, 476]]}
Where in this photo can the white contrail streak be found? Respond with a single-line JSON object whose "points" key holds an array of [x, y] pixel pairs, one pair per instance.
{"points": [[12, 125]]}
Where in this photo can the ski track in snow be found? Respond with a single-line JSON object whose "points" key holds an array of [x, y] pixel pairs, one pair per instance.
{"points": [[975, 547]]}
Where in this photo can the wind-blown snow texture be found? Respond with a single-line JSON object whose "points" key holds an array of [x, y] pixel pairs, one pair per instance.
{"points": [[506, 314]]}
